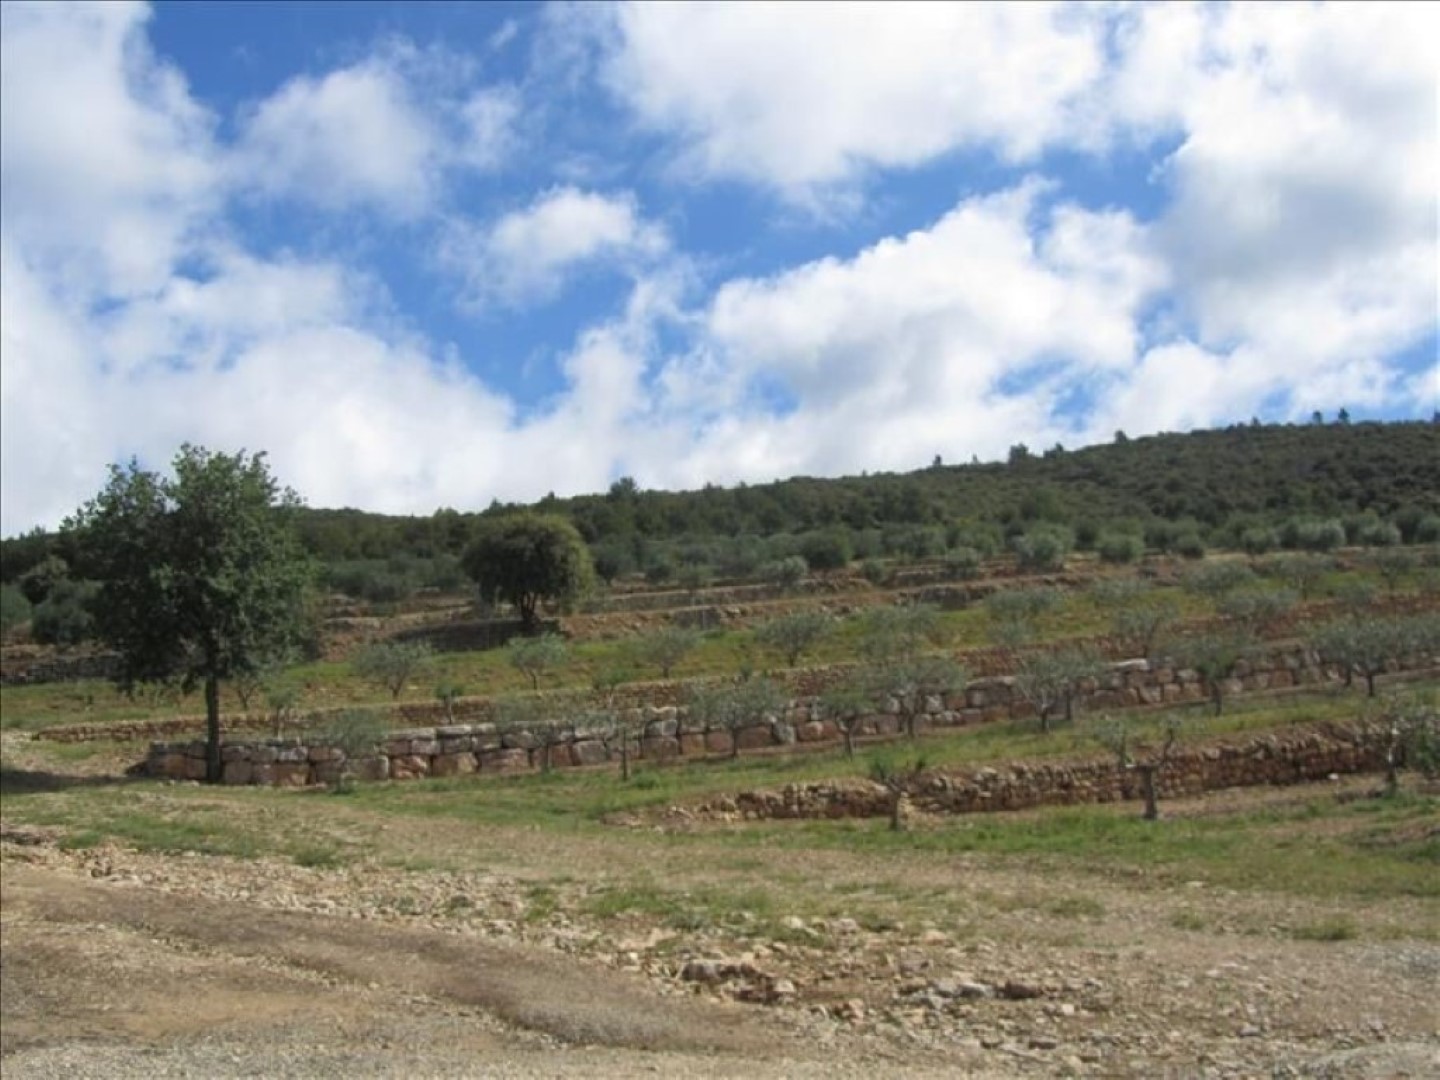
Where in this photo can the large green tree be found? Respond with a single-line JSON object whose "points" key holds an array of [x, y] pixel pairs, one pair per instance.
{"points": [[523, 559], [201, 576]]}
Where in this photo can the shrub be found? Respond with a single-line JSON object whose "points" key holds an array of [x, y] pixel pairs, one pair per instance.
{"points": [[1190, 546], [829, 550], [64, 616], [1379, 534], [962, 564], [875, 571], [1119, 547], [14, 608], [787, 572], [1309, 535], [1260, 540], [1044, 547]]}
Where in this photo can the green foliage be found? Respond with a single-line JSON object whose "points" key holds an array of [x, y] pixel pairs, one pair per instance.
{"points": [[1393, 564], [37, 582], [65, 617], [1365, 646], [537, 656], [1311, 535], [793, 635], [664, 648], [524, 559], [1215, 657], [962, 564], [1259, 540], [787, 572], [392, 665], [1256, 610], [201, 575], [1119, 547], [828, 550], [733, 704], [1299, 570], [358, 732], [1012, 612], [447, 693], [1214, 579], [1044, 547], [14, 608], [1190, 546], [1049, 679]]}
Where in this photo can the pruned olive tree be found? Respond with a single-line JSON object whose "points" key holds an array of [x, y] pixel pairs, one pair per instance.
{"points": [[795, 634], [734, 704], [392, 664], [1215, 657], [537, 656], [665, 647], [1117, 735], [202, 576]]}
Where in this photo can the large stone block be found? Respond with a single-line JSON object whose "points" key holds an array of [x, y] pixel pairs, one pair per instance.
{"points": [[290, 774], [456, 764], [719, 742], [692, 744], [660, 748], [409, 767], [589, 752], [513, 759], [755, 737], [238, 771]]}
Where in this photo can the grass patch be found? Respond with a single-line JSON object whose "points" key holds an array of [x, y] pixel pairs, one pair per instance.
{"points": [[1336, 928]]}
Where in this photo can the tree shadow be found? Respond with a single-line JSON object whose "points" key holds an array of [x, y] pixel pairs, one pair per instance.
{"points": [[15, 781]]}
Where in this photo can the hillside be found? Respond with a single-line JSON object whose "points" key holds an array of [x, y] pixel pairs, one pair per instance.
{"points": [[1210, 484]]}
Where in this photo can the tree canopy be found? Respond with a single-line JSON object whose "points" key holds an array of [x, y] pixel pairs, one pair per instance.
{"points": [[522, 559], [201, 576]]}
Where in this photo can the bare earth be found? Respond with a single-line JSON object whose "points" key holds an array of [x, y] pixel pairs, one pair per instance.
{"points": [[117, 963]]}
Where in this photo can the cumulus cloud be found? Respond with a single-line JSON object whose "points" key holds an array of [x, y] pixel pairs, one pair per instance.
{"points": [[525, 255], [799, 96], [106, 164], [351, 138]]}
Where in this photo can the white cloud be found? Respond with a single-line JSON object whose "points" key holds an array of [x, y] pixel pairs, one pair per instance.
{"points": [[799, 96], [525, 255], [352, 138], [1303, 218], [488, 136], [938, 342], [105, 163]]}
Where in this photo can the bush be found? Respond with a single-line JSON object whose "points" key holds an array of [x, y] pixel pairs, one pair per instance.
{"points": [[1379, 534], [962, 564], [875, 571], [1119, 547], [1260, 540], [64, 617], [829, 550], [1044, 547], [1309, 535], [1190, 546], [14, 608], [1427, 530], [787, 572]]}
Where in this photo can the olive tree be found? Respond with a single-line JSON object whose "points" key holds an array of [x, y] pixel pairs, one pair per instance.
{"points": [[1215, 657], [535, 656], [734, 704], [524, 559], [666, 647], [1116, 734], [794, 634], [392, 664], [201, 575]]}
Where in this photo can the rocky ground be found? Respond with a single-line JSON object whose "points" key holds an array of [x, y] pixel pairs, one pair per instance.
{"points": [[118, 963]]}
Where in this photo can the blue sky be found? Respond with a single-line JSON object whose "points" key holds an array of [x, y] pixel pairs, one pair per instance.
{"points": [[434, 254]]}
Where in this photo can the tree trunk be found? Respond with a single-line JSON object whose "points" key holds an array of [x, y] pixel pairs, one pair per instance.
{"points": [[1218, 696], [1370, 674], [734, 743], [848, 731], [1147, 791], [624, 755], [212, 730]]}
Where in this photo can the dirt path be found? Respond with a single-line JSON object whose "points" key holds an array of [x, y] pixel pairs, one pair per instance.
{"points": [[106, 981]]}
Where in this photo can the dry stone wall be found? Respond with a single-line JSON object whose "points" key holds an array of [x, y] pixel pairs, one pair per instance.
{"points": [[664, 732], [1293, 757]]}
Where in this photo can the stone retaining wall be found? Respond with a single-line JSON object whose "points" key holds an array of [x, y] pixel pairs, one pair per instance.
{"points": [[1293, 757], [664, 732]]}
